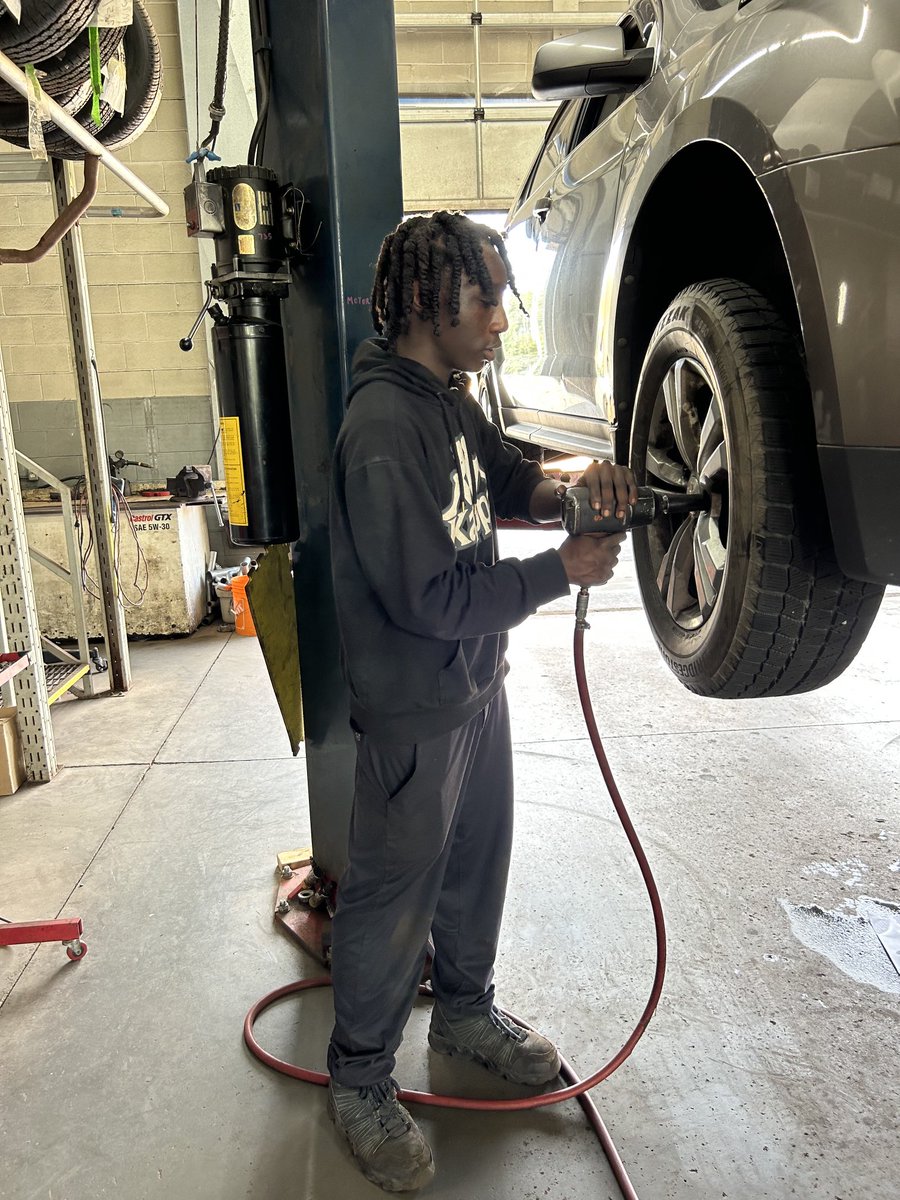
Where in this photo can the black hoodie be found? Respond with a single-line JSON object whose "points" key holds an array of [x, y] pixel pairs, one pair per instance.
{"points": [[423, 602]]}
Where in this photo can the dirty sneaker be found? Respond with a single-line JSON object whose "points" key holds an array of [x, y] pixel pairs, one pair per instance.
{"points": [[383, 1137], [496, 1042]]}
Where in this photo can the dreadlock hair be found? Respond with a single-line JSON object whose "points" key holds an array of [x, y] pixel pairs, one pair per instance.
{"points": [[431, 251]]}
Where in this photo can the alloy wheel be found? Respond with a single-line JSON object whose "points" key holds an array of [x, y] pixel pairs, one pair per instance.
{"points": [[688, 452]]}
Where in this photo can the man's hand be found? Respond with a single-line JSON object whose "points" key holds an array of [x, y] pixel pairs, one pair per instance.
{"points": [[611, 488], [591, 558]]}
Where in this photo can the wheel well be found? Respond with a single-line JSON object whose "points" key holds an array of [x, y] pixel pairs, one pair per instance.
{"points": [[704, 217]]}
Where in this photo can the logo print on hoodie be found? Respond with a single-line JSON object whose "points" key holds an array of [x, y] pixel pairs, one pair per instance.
{"points": [[468, 515]]}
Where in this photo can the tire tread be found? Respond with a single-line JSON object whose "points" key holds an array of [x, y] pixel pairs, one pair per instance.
{"points": [[802, 620]]}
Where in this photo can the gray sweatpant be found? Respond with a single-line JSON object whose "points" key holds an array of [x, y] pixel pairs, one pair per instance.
{"points": [[430, 841]]}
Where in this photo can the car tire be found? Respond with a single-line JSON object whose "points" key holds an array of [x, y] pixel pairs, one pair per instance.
{"points": [[745, 599], [143, 60], [14, 117], [80, 108], [46, 28], [59, 74]]}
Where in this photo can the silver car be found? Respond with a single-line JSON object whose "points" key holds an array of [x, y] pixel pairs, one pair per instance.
{"points": [[708, 247]]}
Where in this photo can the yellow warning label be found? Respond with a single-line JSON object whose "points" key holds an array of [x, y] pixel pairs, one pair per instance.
{"points": [[234, 470], [243, 205], [246, 243]]}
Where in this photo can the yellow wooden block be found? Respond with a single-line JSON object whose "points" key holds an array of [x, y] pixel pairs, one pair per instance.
{"points": [[295, 858]]}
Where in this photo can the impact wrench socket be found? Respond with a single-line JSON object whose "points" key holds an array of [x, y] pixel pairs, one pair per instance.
{"points": [[579, 517]]}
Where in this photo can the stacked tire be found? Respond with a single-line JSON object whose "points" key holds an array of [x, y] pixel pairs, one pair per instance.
{"points": [[53, 36]]}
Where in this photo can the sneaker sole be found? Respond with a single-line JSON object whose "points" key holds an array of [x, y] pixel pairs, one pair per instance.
{"points": [[373, 1176], [443, 1046]]}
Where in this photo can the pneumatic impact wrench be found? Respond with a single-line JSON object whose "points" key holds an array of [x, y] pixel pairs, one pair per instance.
{"points": [[578, 517]]}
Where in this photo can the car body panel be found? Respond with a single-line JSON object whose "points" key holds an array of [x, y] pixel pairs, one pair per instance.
{"points": [[823, 76], [558, 371], [861, 492], [805, 94], [850, 206]]}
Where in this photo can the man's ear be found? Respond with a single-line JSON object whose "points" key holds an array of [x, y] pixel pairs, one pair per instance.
{"points": [[417, 297]]}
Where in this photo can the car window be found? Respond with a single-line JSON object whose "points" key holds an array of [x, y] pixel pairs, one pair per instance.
{"points": [[559, 141], [595, 112]]}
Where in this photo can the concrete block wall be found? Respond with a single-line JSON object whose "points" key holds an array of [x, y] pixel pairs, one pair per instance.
{"points": [[440, 63], [145, 290], [165, 432]]}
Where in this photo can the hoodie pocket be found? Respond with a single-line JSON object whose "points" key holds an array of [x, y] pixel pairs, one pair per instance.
{"points": [[454, 682]]}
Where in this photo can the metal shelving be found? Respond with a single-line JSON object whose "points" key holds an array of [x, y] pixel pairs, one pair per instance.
{"points": [[36, 687]]}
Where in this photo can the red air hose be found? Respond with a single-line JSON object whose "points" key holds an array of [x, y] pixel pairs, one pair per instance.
{"points": [[576, 1088]]}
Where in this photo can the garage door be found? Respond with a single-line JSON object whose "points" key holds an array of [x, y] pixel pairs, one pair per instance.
{"points": [[469, 126]]}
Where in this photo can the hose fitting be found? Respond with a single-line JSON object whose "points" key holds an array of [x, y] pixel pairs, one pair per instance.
{"points": [[581, 608]]}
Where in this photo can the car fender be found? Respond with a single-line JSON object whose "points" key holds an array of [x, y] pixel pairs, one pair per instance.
{"points": [[823, 77], [775, 86], [653, 149], [735, 130]]}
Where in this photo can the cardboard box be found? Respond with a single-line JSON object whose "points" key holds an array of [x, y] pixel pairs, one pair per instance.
{"points": [[12, 762]]}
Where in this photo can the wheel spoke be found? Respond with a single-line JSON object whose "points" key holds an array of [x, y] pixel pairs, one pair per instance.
{"points": [[675, 574], [662, 466], [689, 450], [712, 459], [680, 409], [715, 468], [709, 562]]}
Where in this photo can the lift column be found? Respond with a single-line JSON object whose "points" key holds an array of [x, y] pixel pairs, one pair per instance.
{"points": [[333, 130]]}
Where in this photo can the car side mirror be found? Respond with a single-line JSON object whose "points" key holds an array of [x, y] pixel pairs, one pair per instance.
{"points": [[589, 64]]}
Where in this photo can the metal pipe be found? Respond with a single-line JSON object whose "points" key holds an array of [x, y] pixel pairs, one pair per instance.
{"points": [[11, 74], [93, 439], [535, 20], [499, 204], [539, 119], [479, 106], [447, 108], [114, 211], [75, 209]]}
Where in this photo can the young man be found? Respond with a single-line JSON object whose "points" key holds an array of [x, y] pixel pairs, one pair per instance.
{"points": [[424, 603]]}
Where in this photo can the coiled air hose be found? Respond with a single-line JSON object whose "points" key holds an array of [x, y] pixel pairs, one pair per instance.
{"points": [[575, 1088]]}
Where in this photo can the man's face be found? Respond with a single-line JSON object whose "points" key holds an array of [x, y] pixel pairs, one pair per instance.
{"points": [[482, 321]]}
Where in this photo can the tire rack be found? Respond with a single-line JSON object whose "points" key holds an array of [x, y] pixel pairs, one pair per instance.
{"points": [[19, 628]]}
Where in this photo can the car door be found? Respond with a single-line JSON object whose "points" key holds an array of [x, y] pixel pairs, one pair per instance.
{"points": [[558, 238]]}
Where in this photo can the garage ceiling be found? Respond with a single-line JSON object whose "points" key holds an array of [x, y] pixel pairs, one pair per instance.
{"points": [[469, 126]]}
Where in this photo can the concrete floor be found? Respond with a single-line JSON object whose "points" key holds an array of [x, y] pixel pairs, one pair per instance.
{"points": [[773, 828]]}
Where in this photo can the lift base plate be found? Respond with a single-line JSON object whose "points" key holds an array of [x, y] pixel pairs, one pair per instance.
{"points": [[307, 923]]}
